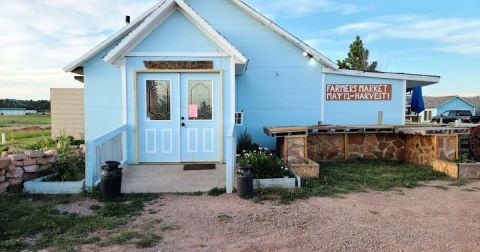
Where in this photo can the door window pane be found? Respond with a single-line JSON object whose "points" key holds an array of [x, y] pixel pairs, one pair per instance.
{"points": [[158, 100], [200, 99]]}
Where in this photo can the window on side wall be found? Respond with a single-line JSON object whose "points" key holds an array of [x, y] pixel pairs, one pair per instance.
{"points": [[239, 118]]}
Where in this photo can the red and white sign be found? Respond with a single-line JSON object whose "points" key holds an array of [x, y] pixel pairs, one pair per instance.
{"points": [[192, 110], [358, 92]]}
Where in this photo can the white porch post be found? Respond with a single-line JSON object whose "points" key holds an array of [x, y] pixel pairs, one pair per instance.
{"points": [[90, 161], [231, 143], [123, 69]]}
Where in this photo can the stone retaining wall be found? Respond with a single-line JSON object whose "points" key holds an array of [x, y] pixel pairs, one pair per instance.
{"points": [[355, 146], [420, 149], [23, 166]]}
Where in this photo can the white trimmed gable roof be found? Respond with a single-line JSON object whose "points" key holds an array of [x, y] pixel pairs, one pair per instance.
{"points": [[160, 15], [146, 20], [114, 37]]}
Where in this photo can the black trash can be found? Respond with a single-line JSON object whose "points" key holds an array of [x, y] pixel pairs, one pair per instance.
{"points": [[245, 181], [111, 182]]}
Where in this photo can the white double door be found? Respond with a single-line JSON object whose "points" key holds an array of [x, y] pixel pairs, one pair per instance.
{"points": [[178, 117]]}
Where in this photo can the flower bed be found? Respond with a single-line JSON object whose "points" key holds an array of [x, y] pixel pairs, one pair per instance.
{"points": [[268, 171], [49, 185]]}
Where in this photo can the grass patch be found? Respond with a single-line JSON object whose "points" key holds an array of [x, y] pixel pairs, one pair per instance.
{"points": [[355, 176], [26, 120], [217, 191], [23, 216]]}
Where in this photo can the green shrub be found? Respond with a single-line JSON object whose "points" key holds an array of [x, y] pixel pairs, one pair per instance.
{"points": [[217, 191], [265, 164], [70, 166], [245, 144], [62, 144]]}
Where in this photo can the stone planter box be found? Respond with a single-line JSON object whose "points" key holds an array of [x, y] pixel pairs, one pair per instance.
{"points": [[458, 170], [277, 183], [310, 169], [43, 185]]}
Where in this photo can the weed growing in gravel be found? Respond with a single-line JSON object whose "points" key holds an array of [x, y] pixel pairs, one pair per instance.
{"points": [[217, 191], [355, 176], [458, 182], [169, 227], [224, 218], [440, 187]]}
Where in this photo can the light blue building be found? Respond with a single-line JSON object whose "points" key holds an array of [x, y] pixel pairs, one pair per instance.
{"points": [[437, 105], [166, 87]]}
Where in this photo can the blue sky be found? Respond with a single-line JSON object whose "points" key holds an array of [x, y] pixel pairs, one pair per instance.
{"points": [[425, 37]]}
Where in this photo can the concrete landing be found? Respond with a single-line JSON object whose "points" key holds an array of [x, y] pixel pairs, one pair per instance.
{"points": [[170, 178]]}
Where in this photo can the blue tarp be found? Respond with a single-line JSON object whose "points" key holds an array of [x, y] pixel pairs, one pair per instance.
{"points": [[417, 103]]}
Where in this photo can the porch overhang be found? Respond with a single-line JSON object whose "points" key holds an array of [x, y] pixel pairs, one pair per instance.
{"points": [[412, 80]]}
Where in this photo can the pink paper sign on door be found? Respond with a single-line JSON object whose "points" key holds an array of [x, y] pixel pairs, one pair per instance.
{"points": [[192, 110]]}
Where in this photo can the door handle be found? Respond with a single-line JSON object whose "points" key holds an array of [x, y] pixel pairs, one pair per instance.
{"points": [[182, 124]]}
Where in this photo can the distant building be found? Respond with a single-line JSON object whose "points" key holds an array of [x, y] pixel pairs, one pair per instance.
{"points": [[67, 112], [437, 105], [13, 111]]}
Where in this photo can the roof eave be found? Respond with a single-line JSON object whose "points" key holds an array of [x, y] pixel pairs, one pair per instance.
{"points": [[428, 79], [104, 44]]}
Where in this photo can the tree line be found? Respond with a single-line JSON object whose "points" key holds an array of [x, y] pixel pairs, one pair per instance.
{"points": [[39, 106]]}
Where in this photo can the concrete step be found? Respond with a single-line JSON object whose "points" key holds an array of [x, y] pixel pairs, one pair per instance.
{"points": [[169, 178]]}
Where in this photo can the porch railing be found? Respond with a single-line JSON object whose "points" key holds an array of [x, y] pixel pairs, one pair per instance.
{"points": [[110, 146], [231, 158]]}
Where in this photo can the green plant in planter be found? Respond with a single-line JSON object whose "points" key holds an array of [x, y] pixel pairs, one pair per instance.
{"points": [[70, 166], [245, 144], [264, 164]]}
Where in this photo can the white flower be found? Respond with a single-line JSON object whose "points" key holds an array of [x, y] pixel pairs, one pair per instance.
{"points": [[238, 155], [260, 148], [244, 151], [265, 149]]}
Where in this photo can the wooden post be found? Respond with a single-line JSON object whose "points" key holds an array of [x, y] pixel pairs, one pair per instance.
{"points": [[380, 117], [456, 146], [345, 141], [4, 138], [435, 147]]}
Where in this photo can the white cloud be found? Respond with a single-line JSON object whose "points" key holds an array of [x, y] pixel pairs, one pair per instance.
{"points": [[39, 37], [298, 8], [455, 35]]}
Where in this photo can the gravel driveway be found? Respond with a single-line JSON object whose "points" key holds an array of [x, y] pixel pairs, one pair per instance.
{"points": [[430, 218]]}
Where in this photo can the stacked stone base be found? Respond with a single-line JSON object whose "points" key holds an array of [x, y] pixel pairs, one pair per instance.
{"points": [[16, 168]]}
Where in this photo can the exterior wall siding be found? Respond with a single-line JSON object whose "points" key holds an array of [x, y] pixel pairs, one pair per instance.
{"points": [[103, 96], [176, 34], [365, 112], [67, 112], [456, 104], [280, 87]]}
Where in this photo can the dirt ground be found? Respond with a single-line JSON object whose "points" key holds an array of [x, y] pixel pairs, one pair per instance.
{"points": [[437, 217]]}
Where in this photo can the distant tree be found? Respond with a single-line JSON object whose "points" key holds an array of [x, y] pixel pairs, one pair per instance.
{"points": [[357, 58]]}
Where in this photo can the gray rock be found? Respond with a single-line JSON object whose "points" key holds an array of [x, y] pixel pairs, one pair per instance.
{"points": [[4, 163], [35, 154], [31, 168], [2, 179], [17, 173], [19, 157]]}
